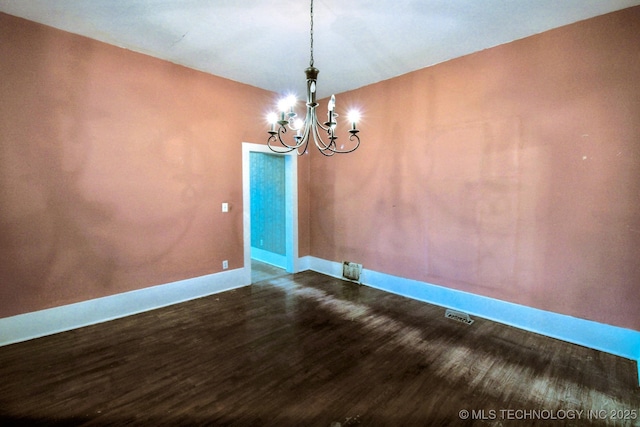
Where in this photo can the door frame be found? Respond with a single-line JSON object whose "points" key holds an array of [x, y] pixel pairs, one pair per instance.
{"points": [[291, 205]]}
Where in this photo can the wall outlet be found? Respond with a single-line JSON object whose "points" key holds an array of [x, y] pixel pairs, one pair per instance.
{"points": [[225, 264], [225, 207]]}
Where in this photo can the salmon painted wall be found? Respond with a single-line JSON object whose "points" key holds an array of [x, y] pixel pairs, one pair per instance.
{"points": [[512, 173], [113, 168]]}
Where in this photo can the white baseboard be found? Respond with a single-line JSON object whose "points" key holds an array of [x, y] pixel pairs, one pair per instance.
{"points": [[304, 263], [608, 338], [50, 321], [269, 257]]}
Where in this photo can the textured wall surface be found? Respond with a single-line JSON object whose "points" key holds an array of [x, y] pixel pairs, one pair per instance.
{"points": [[512, 173], [268, 203], [113, 168]]}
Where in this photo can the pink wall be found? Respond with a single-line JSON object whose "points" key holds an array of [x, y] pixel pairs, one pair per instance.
{"points": [[512, 173], [113, 168]]}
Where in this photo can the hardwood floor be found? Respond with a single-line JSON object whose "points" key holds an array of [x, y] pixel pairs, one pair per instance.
{"points": [[310, 350], [262, 271]]}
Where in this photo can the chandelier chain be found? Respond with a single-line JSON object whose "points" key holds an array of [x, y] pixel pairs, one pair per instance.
{"points": [[309, 128], [311, 34]]}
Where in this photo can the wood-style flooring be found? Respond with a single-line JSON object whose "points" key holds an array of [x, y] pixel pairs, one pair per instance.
{"points": [[262, 271], [310, 350]]}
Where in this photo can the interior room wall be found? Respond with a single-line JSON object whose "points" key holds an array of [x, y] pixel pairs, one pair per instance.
{"points": [[113, 168], [268, 207], [512, 173]]}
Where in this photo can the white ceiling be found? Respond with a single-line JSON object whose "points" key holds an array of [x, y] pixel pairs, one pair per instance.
{"points": [[265, 43]]}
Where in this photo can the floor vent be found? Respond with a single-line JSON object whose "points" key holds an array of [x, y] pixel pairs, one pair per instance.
{"points": [[460, 317], [351, 271]]}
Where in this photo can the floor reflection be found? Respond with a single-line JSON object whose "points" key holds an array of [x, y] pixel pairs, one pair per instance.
{"points": [[262, 271]]}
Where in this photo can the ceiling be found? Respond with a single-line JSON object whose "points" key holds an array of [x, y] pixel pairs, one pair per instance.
{"points": [[265, 43]]}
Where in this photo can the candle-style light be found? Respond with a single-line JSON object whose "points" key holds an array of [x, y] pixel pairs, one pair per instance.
{"points": [[309, 127]]}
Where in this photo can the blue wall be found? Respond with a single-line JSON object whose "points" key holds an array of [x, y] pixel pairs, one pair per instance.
{"points": [[268, 202]]}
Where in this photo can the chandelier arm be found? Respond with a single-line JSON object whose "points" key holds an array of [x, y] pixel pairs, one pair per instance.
{"points": [[286, 148], [311, 126], [290, 127], [320, 143], [312, 120], [351, 138], [327, 153], [332, 146], [311, 130], [316, 135], [281, 131], [304, 142], [350, 150], [277, 149], [321, 126], [317, 138], [325, 148]]}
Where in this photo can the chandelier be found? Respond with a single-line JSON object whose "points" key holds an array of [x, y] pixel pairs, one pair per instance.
{"points": [[310, 127]]}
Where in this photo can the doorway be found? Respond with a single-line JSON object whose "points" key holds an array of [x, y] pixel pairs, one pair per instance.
{"points": [[271, 227]]}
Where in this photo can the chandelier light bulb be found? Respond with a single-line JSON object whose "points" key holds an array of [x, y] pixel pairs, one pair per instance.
{"points": [[287, 104], [310, 127], [282, 105], [332, 103], [354, 117], [272, 119]]}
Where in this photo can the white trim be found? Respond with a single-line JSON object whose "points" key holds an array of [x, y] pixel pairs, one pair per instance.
{"points": [[50, 321], [291, 179], [291, 219], [246, 207], [304, 263], [269, 257], [608, 338]]}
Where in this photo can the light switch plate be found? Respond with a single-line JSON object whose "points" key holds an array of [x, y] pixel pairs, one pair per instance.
{"points": [[225, 207]]}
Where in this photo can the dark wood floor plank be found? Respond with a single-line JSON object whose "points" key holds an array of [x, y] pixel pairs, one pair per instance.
{"points": [[307, 349]]}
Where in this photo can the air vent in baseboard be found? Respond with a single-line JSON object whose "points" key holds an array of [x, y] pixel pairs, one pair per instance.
{"points": [[459, 316], [351, 271]]}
